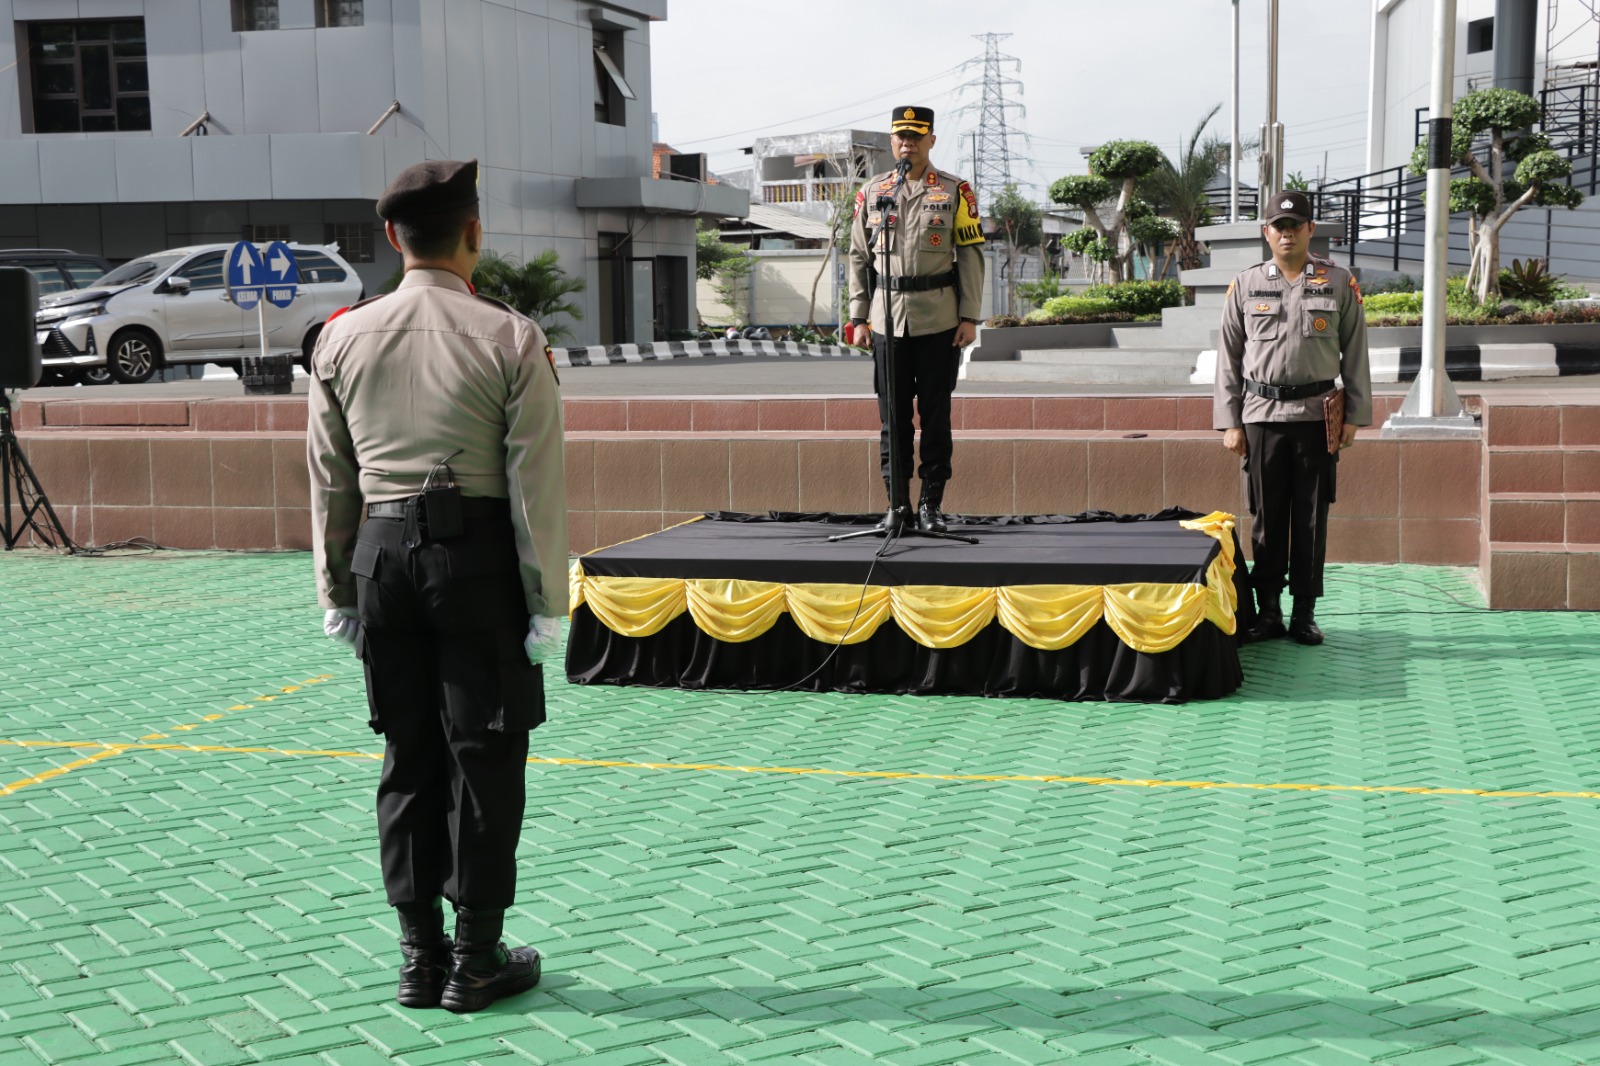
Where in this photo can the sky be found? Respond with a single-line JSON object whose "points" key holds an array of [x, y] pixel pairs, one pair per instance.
{"points": [[725, 72]]}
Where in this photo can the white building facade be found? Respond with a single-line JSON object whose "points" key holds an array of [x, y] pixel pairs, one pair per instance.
{"points": [[128, 126], [1565, 41]]}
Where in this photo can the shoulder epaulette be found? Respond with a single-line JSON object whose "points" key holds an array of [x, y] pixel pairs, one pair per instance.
{"points": [[352, 307], [500, 304]]}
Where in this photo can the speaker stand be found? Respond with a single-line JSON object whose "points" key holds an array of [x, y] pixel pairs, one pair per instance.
{"points": [[16, 470]]}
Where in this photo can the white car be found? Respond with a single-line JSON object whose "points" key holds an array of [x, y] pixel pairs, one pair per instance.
{"points": [[173, 307]]}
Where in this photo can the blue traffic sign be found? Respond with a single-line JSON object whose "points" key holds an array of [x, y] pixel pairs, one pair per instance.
{"points": [[246, 275], [283, 274]]}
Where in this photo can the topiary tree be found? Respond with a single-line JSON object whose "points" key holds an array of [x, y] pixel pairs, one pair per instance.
{"points": [[1115, 169], [1491, 196], [1093, 247]]}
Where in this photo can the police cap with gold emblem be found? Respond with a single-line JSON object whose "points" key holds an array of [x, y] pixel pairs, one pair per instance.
{"points": [[429, 188], [1288, 204], [911, 120]]}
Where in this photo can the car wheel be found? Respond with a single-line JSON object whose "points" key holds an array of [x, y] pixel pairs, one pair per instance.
{"points": [[95, 375], [308, 346], [132, 356]]}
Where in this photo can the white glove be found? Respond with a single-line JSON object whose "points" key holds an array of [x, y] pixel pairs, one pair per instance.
{"points": [[341, 623], [544, 638]]}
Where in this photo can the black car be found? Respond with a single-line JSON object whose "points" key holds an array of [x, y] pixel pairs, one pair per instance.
{"points": [[57, 269]]}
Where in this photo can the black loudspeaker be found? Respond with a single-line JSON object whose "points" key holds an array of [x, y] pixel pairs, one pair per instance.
{"points": [[20, 367]]}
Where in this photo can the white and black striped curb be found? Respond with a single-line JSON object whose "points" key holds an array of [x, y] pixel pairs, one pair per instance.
{"points": [[1463, 362], [605, 355]]}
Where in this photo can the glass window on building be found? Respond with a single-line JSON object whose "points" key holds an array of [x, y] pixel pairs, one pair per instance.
{"points": [[265, 232], [338, 12], [610, 87], [89, 76], [353, 238], [255, 15]]}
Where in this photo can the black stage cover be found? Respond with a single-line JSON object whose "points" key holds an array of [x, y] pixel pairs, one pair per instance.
{"points": [[1094, 548]]}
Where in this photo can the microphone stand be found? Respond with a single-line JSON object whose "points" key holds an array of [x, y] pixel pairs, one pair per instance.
{"points": [[897, 520]]}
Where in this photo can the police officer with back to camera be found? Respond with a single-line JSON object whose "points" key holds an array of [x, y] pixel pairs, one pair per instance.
{"points": [[438, 412], [1290, 326], [936, 266]]}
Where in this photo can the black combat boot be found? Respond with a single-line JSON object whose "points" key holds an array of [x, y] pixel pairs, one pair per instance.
{"points": [[1303, 624], [929, 518], [1269, 619], [482, 969], [427, 953]]}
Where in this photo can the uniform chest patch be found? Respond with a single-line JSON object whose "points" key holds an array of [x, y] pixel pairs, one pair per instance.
{"points": [[1319, 325], [1263, 308], [1269, 293], [938, 197], [936, 220], [935, 239]]}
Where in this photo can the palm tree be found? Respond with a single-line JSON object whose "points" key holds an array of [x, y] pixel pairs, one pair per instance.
{"points": [[1178, 191], [538, 288]]}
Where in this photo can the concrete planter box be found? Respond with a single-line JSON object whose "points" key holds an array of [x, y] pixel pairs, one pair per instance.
{"points": [[1578, 333], [1005, 342]]}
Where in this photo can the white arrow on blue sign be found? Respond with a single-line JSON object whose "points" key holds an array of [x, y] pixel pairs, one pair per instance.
{"points": [[283, 274], [246, 275]]}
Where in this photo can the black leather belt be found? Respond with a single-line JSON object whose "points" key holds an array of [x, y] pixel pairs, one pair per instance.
{"points": [[922, 284], [1288, 392], [388, 509]]}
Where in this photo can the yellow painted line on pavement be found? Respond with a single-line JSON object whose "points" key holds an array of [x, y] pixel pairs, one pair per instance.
{"points": [[17, 786], [895, 775]]}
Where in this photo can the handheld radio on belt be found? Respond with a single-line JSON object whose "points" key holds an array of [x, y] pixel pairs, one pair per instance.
{"points": [[442, 503]]}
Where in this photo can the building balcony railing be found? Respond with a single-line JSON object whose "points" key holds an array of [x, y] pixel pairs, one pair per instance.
{"points": [[805, 190]]}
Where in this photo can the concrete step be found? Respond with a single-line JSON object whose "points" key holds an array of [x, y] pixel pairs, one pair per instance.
{"points": [[1553, 518], [1541, 576], [1106, 374], [1212, 276], [1529, 469], [1125, 339], [1089, 366]]}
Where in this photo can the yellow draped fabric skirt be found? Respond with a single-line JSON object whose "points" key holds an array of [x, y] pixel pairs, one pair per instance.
{"points": [[1147, 617]]}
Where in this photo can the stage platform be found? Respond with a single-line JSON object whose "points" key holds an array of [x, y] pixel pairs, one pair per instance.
{"points": [[1073, 607]]}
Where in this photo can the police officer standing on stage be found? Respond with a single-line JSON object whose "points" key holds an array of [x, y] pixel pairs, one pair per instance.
{"points": [[1290, 326], [437, 411], [936, 264]]}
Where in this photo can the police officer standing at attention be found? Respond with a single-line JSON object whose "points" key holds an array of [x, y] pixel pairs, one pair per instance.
{"points": [[438, 412], [936, 260], [1289, 327]]}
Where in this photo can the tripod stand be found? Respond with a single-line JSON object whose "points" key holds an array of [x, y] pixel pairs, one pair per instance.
{"points": [[14, 468], [898, 520]]}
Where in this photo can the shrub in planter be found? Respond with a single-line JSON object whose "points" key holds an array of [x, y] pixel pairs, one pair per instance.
{"points": [[1140, 297], [1393, 303], [1003, 321], [1077, 306]]}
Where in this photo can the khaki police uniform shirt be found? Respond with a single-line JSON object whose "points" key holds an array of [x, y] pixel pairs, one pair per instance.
{"points": [[935, 229], [421, 374], [1291, 331]]}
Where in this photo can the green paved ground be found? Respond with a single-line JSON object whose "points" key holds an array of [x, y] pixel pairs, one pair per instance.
{"points": [[164, 904]]}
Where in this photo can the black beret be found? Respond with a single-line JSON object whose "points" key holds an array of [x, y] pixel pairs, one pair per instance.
{"points": [[911, 119], [431, 187], [1288, 204]]}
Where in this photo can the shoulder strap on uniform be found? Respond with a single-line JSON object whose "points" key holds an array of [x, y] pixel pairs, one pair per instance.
{"points": [[352, 307], [501, 304]]}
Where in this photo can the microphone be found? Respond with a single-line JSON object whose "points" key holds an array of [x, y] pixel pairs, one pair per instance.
{"points": [[901, 169]]}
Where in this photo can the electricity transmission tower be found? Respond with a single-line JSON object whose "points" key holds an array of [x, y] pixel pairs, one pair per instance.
{"points": [[992, 155]]}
